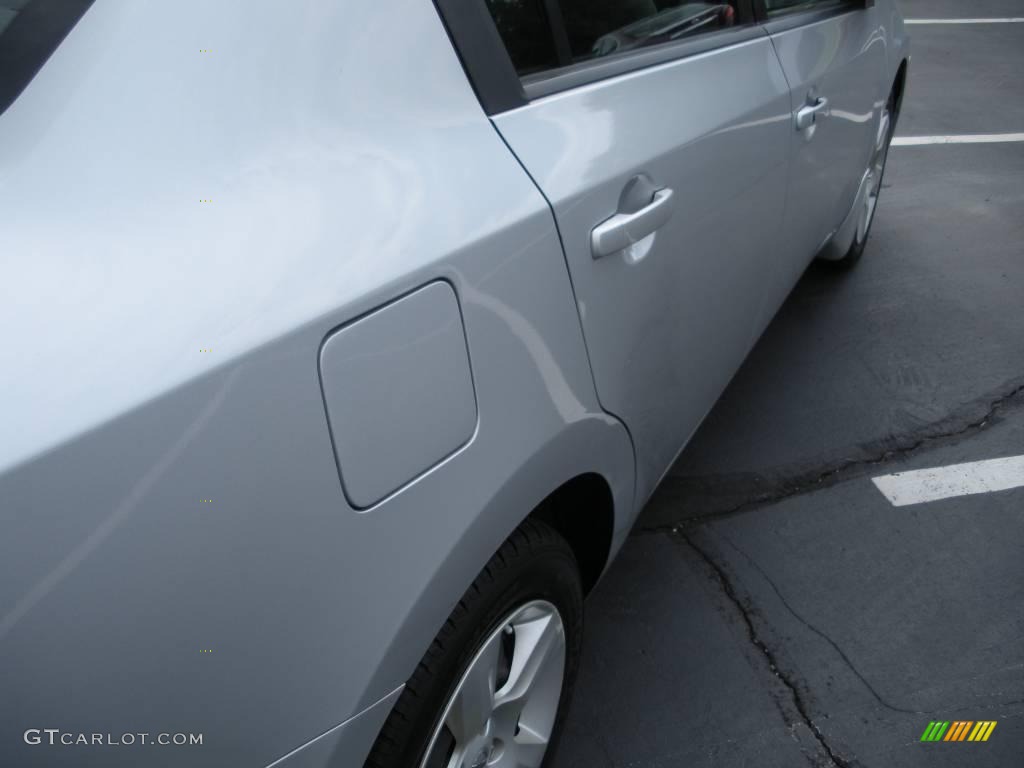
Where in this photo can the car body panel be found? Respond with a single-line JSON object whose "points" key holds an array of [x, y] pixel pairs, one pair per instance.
{"points": [[197, 197], [345, 744], [841, 57], [666, 327], [166, 355]]}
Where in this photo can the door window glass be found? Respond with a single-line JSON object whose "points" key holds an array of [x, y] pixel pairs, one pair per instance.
{"points": [[776, 7], [598, 28]]}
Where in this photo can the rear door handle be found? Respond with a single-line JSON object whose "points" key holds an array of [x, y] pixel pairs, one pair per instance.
{"points": [[806, 116], [624, 229]]}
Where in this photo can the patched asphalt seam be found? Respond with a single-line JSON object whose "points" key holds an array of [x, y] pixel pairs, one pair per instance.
{"points": [[729, 591], [946, 430]]}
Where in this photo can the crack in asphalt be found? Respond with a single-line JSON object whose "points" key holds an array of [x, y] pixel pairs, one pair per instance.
{"points": [[814, 480], [820, 633], [952, 428], [842, 654], [729, 591]]}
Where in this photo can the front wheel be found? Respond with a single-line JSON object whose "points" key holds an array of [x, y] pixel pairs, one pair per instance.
{"points": [[494, 686], [876, 172]]}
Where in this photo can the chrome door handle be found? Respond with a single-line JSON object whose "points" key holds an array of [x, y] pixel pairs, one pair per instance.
{"points": [[624, 229], [806, 116]]}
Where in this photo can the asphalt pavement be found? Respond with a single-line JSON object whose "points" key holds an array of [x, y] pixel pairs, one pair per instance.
{"points": [[773, 607]]}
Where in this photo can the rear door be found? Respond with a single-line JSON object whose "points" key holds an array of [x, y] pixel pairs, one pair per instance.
{"points": [[833, 55], [658, 131]]}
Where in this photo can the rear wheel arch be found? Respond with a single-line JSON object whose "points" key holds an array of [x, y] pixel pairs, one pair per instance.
{"points": [[533, 570], [582, 510]]}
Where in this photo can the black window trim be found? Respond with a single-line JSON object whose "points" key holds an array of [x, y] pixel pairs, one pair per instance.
{"points": [[36, 31], [500, 89], [483, 55]]}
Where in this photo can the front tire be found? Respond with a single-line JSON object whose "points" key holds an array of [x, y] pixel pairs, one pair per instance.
{"points": [[494, 687]]}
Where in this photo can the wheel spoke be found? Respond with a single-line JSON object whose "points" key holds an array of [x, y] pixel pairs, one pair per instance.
{"points": [[529, 749], [883, 131], [455, 761], [537, 641], [474, 698], [882, 147]]}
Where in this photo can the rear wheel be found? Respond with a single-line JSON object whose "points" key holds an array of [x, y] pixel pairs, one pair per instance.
{"points": [[876, 173], [494, 687]]}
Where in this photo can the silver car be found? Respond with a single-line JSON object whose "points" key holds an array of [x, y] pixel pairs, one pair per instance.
{"points": [[344, 341]]}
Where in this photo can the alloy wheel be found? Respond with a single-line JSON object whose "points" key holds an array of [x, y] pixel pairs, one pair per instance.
{"points": [[876, 172], [503, 709]]}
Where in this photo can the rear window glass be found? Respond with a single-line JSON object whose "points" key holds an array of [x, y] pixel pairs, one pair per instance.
{"points": [[524, 28], [30, 30]]}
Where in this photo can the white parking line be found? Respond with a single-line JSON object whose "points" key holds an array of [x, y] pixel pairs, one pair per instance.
{"points": [[981, 138], [904, 488], [1011, 20]]}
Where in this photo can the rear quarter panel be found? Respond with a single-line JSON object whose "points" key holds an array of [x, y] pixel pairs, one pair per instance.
{"points": [[347, 162]]}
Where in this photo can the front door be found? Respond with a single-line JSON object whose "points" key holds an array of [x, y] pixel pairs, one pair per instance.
{"points": [[834, 58], [661, 144]]}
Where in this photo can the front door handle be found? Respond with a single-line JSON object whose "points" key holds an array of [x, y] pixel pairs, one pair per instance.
{"points": [[807, 116], [624, 229]]}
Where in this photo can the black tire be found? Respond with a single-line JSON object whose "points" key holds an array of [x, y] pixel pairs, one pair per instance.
{"points": [[853, 256], [534, 563]]}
